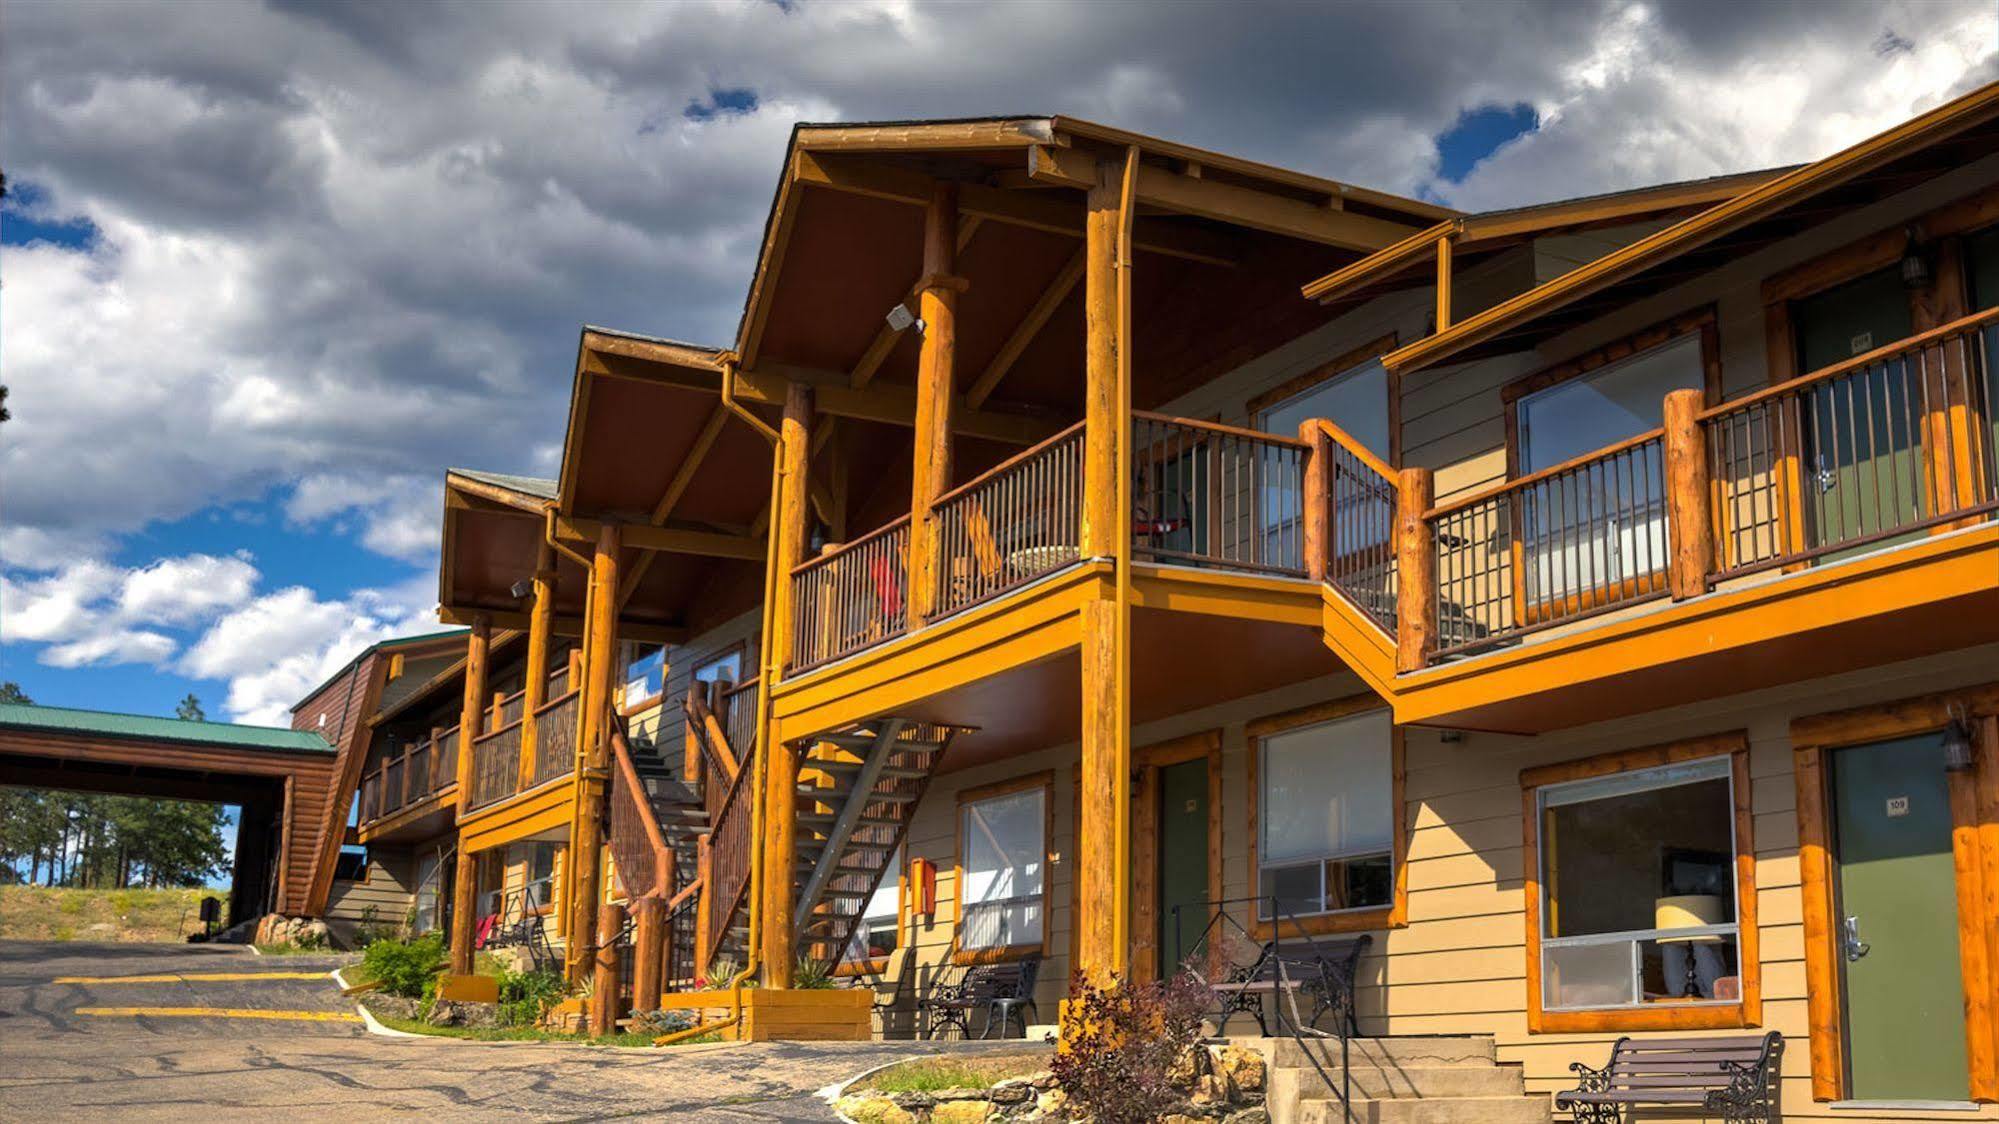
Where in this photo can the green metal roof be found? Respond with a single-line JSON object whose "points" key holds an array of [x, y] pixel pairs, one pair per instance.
{"points": [[142, 727]]}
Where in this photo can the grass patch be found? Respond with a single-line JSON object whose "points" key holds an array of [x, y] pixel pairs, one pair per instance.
{"points": [[44, 913], [513, 1034], [930, 1075], [287, 948]]}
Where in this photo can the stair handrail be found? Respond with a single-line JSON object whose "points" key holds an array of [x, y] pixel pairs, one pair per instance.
{"points": [[708, 731], [628, 795], [720, 822], [1351, 502]]}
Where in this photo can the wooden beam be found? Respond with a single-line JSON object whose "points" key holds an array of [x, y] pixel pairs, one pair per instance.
{"points": [[1030, 326], [1416, 561], [682, 477], [593, 714], [641, 536], [1443, 314], [644, 631], [471, 714], [1226, 202], [928, 136], [1033, 210], [936, 378], [780, 840], [885, 336]]}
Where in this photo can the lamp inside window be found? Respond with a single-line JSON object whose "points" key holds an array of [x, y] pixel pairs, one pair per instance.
{"points": [[1638, 889]]}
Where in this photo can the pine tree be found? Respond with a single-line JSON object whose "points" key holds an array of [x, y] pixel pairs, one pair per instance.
{"points": [[190, 709], [10, 692]]}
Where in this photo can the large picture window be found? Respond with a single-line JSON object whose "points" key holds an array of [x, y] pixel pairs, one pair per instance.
{"points": [[1328, 817], [1003, 867], [1638, 895]]}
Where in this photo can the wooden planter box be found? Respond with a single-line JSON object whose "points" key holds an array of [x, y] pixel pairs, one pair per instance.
{"points": [[796, 1016]]}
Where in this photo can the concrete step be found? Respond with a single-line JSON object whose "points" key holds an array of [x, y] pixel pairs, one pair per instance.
{"points": [[1451, 1110], [1417, 1049], [1384, 1082]]}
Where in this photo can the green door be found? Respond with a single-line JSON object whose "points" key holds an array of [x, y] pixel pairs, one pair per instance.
{"points": [[1183, 859], [1863, 433], [1898, 914]]}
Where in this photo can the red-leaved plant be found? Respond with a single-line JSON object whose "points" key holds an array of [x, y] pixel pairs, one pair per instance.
{"points": [[1119, 1043]]}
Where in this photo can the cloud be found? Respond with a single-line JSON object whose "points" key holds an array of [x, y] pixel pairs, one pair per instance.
{"points": [[90, 612]]}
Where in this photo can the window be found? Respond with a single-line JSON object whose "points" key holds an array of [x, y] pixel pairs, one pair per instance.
{"points": [[1003, 866], [726, 669], [1637, 901], [645, 679], [351, 866], [1326, 816], [427, 893], [1355, 398], [1599, 529], [880, 927], [541, 876]]}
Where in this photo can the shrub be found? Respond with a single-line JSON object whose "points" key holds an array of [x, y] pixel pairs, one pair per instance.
{"points": [[526, 996], [371, 928], [1119, 1044], [811, 975], [404, 967]]}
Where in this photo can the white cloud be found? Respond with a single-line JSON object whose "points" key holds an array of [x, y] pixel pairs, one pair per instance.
{"points": [[178, 590], [90, 612]]}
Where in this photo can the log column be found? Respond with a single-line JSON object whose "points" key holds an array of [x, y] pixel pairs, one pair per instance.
{"points": [[471, 712], [1106, 764], [648, 951], [604, 981], [1416, 571], [1318, 497], [1689, 505], [541, 618], [936, 365], [600, 639], [780, 840]]}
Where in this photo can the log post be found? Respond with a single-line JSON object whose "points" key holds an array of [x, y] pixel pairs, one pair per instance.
{"points": [[780, 840], [604, 982], [464, 883], [1689, 504], [1100, 345], [648, 951], [936, 363], [1416, 571], [600, 638], [541, 619], [1318, 498], [703, 907]]}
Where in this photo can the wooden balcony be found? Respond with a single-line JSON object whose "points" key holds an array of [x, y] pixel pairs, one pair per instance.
{"points": [[501, 769], [407, 784], [1839, 520]]}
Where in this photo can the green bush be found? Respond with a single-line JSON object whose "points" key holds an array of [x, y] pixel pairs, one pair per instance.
{"points": [[526, 996], [405, 967], [811, 975]]}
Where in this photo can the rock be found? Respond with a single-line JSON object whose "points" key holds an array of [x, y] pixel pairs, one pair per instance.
{"points": [[961, 1112], [943, 1095], [1186, 1065], [472, 1016], [1211, 1088], [1045, 1080], [390, 1006], [1012, 1091], [1051, 1103], [914, 1100], [1257, 1115], [1242, 1066], [1181, 1118], [872, 1108]]}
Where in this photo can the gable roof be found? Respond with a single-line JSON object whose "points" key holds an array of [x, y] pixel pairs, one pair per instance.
{"points": [[531, 486], [390, 645], [142, 727]]}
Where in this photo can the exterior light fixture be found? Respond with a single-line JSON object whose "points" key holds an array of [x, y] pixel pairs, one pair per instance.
{"points": [[521, 588], [1915, 264], [901, 319], [1957, 747]]}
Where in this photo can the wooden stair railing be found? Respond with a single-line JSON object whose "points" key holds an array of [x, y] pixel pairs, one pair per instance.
{"points": [[641, 858], [726, 796]]}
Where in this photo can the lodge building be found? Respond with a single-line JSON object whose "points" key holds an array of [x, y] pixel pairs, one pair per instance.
{"points": [[1091, 546]]}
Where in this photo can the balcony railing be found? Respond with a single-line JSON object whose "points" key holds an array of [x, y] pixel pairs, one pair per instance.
{"points": [[1357, 514], [496, 765], [1886, 446], [1551, 547], [1014, 523], [1216, 496], [407, 778], [851, 598], [554, 739]]}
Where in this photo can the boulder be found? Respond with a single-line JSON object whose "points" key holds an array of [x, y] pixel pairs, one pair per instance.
{"points": [[1211, 1089], [1012, 1091], [961, 1112], [914, 1101], [472, 1016], [1256, 1115], [1243, 1067], [872, 1108], [390, 1006]]}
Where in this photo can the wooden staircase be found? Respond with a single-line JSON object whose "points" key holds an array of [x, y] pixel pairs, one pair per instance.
{"points": [[654, 835]]}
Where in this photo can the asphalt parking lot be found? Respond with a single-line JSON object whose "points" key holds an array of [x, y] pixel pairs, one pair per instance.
{"points": [[195, 1032]]}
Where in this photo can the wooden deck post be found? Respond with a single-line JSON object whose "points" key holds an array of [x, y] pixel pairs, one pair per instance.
{"points": [[1104, 779], [600, 637], [604, 981], [1689, 504], [1318, 497], [541, 618], [464, 884], [704, 906], [1416, 571], [780, 840], [936, 386], [648, 951]]}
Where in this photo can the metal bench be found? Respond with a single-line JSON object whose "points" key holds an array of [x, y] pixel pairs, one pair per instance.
{"points": [[1001, 989], [1323, 970], [1730, 1076]]}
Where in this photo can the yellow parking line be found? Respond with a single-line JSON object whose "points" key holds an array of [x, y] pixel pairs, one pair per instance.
{"points": [[218, 1013], [176, 977]]}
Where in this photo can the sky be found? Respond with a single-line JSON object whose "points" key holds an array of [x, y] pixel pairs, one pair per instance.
{"points": [[267, 269]]}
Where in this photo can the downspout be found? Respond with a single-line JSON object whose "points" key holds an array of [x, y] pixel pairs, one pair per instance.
{"points": [[753, 952], [1121, 632]]}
